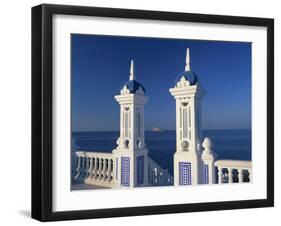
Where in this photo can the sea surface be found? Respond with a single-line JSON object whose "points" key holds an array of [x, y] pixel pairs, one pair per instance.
{"points": [[227, 144]]}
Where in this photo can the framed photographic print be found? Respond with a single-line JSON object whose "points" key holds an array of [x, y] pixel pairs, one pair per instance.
{"points": [[145, 112]]}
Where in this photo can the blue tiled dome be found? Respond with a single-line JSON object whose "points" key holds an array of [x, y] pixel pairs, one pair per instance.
{"points": [[189, 76], [133, 86]]}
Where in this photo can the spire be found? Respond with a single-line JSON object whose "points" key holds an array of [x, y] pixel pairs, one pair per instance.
{"points": [[132, 76], [187, 61]]}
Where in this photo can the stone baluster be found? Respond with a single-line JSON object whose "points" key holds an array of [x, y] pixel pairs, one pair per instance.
{"points": [[86, 167], [160, 178], [103, 168], [220, 175], [225, 177], [108, 172], [100, 169], [155, 176], [112, 169], [78, 168], [230, 175], [112, 173], [104, 171], [250, 175], [82, 166], [90, 170], [95, 168], [240, 176]]}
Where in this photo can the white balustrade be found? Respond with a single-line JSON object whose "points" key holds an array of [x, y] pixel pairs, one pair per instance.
{"points": [[240, 167], [96, 168]]}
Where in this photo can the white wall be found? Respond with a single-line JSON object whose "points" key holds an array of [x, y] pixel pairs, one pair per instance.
{"points": [[15, 110]]}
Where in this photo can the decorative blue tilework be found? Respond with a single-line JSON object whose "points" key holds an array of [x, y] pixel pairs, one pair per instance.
{"points": [[206, 174], [185, 173], [140, 169], [125, 171]]}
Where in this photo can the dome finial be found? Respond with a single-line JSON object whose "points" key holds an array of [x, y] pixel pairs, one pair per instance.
{"points": [[187, 61], [132, 76]]}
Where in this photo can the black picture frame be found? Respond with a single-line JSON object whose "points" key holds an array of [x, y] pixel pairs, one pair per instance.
{"points": [[42, 111]]}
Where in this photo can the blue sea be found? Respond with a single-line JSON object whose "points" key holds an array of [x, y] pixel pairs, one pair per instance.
{"points": [[227, 144]]}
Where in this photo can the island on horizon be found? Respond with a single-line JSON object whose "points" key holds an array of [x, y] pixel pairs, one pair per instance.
{"points": [[156, 129]]}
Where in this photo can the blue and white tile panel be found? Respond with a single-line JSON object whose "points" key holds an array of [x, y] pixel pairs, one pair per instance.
{"points": [[140, 170], [184, 173], [125, 171]]}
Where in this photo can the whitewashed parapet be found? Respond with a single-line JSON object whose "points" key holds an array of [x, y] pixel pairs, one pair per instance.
{"points": [[96, 168], [230, 171], [157, 176]]}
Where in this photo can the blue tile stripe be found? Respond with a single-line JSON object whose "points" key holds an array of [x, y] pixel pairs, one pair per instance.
{"points": [[206, 174], [140, 169], [125, 171], [185, 173]]}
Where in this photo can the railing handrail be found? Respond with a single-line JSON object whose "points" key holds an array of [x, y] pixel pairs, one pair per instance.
{"points": [[160, 176], [154, 164], [233, 164], [92, 154]]}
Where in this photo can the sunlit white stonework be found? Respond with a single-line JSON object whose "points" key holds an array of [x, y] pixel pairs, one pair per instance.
{"points": [[129, 164]]}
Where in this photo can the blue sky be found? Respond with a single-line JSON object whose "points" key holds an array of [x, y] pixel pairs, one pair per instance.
{"points": [[101, 65]]}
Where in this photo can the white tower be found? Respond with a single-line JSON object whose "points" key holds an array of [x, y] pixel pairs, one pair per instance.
{"points": [[131, 153], [187, 159]]}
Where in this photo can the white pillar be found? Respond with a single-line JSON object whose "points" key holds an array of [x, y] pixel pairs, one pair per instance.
{"points": [[240, 176], [230, 175]]}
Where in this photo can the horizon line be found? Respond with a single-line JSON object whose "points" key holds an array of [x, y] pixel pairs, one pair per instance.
{"points": [[150, 130]]}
